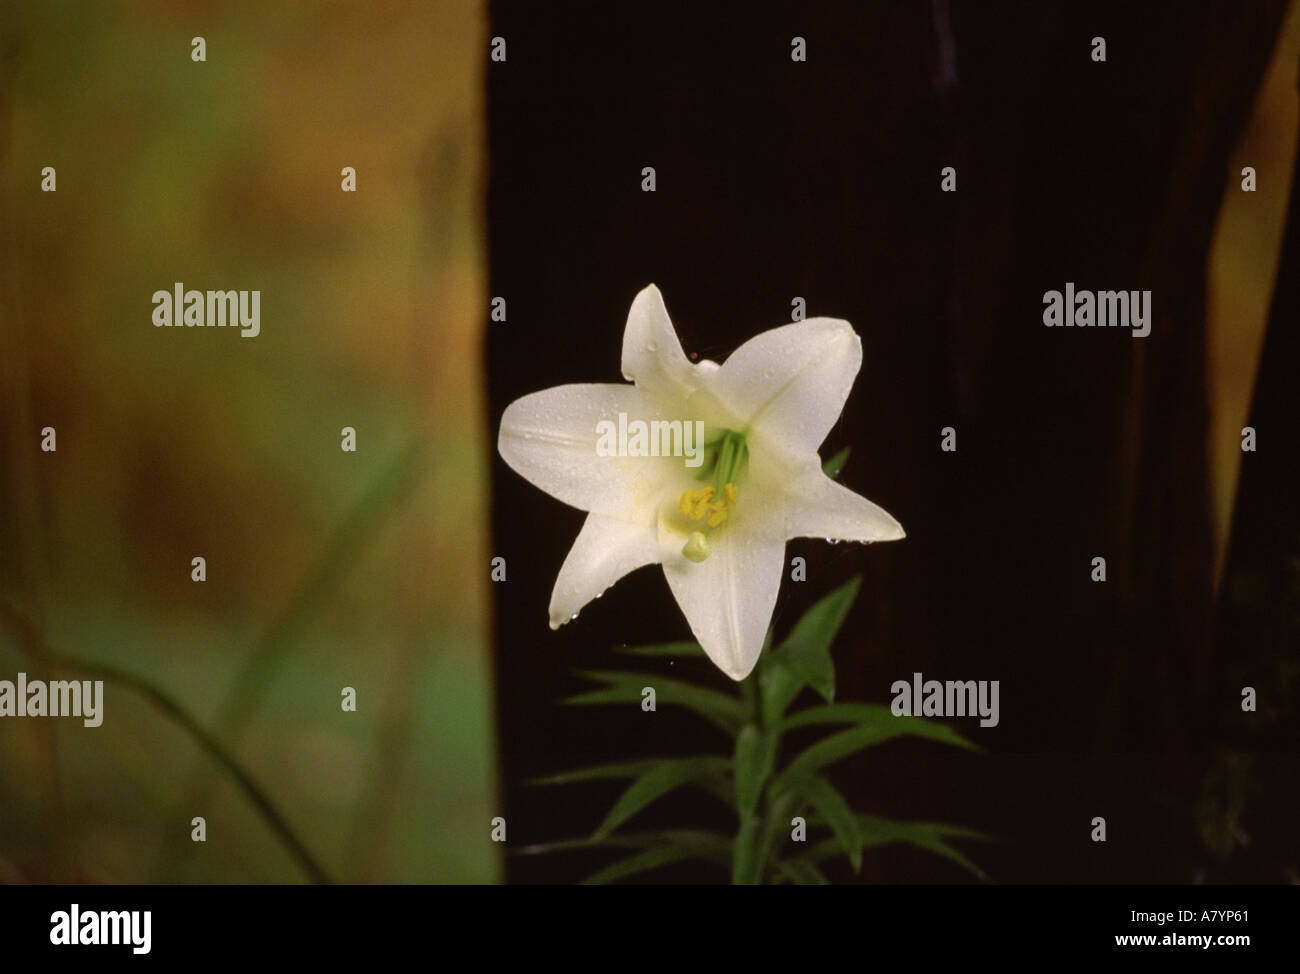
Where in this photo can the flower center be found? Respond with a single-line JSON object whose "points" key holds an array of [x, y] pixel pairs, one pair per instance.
{"points": [[728, 457]]}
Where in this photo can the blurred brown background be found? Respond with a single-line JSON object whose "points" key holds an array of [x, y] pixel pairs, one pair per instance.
{"points": [[325, 569]]}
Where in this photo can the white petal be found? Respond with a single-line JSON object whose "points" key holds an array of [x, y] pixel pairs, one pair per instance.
{"points": [[790, 383], [605, 551], [818, 507], [728, 598], [652, 354], [550, 438]]}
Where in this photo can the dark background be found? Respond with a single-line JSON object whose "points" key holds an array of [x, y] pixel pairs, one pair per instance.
{"points": [[821, 179]]}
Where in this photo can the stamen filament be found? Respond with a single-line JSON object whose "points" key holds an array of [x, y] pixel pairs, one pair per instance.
{"points": [[713, 505]]}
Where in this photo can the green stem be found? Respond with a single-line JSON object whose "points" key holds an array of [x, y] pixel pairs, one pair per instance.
{"points": [[749, 694], [755, 834], [744, 853]]}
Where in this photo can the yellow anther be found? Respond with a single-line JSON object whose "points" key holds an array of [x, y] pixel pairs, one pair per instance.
{"points": [[719, 509], [700, 505], [695, 503]]}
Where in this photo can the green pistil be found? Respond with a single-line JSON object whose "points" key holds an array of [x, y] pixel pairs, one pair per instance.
{"points": [[728, 456]]}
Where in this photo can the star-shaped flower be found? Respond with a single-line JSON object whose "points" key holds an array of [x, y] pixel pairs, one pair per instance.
{"points": [[719, 527]]}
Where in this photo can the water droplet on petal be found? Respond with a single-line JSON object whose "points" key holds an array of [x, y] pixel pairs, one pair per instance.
{"points": [[832, 540], [572, 617], [652, 347]]}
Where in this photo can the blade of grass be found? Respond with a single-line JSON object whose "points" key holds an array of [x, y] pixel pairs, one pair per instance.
{"points": [[179, 715]]}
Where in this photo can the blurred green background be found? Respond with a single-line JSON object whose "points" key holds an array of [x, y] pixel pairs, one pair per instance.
{"points": [[325, 569]]}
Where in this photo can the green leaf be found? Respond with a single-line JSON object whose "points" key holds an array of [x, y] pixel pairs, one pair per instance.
{"points": [[621, 769], [802, 872], [726, 712], [651, 858], [835, 464], [709, 846], [663, 848], [654, 849], [788, 670], [686, 648], [929, 836], [821, 623], [755, 758], [586, 842], [835, 811], [838, 713], [667, 775], [925, 835], [881, 718], [846, 742], [720, 787], [803, 658], [703, 845]]}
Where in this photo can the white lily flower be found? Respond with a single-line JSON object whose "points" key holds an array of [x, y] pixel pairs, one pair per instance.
{"points": [[718, 529]]}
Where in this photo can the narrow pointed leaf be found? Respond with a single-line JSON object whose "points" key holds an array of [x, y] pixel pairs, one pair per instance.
{"points": [[803, 658], [879, 717], [924, 835], [586, 842], [846, 742], [725, 712], [702, 844], [838, 713], [720, 788], [835, 811], [822, 622], [928, 836], [621, 769], [651, 858], [793, 666], [666, 776], [710, 846]]}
